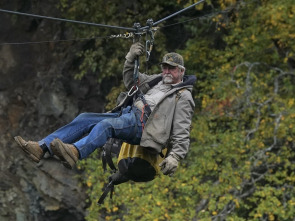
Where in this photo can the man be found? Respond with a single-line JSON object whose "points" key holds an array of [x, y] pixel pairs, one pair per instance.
{"points": [[160, 118]]}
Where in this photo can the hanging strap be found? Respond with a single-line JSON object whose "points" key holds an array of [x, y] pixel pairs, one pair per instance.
{"points": [[109, 188], [112, 146], [147, 108], [178, 93], [114, 179], [107, 156], [149, 42], [145, 111]]}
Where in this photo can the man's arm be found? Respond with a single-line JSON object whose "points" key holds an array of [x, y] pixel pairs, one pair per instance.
{"points": [[136, 49], [180, 134]]}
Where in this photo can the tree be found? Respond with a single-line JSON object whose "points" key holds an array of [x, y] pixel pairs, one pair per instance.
{"points": [[244, 150]]}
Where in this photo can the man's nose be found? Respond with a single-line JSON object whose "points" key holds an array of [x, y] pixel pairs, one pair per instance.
{"points": [[165, 70]]}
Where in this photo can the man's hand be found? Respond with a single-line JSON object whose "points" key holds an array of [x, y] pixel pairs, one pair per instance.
{"points": [[169, 164], [136, 49]]}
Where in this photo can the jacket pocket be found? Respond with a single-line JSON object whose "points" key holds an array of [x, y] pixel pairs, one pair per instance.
{"points": [[158, 128]]}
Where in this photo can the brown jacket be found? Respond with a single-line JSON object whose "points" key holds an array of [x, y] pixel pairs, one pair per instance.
{"points": [[170, 121]]}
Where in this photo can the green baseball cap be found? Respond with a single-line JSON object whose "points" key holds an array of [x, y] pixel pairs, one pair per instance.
{"points": [[173, 59]]}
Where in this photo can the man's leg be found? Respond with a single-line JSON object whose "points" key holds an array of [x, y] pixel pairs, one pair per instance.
{"points": [[69, 133], [80, 126], [126, 127]]}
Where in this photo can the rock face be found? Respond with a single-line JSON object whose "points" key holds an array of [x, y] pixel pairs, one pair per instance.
{"points": [[37, 96]]}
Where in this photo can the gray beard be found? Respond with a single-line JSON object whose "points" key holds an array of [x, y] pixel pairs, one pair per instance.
{"points": [[167, 79]]}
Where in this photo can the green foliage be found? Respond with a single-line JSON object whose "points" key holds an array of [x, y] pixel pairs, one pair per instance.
{"points": [[246, 95], [241, 162]]}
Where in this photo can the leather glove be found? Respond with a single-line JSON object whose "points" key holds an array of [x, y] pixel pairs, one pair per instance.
{"points": [[169, 164], [136, 49]]}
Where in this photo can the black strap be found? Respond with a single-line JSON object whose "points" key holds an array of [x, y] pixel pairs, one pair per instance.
{"points": [[44, 148], [109, 188], [147, 109], [103, 159], [108, 155], [112, 146], [114, 179], [154, 81]]}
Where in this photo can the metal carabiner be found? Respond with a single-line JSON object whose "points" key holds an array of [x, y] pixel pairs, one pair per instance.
{"points": [[132, 91], [149, 43], [148, 47]]}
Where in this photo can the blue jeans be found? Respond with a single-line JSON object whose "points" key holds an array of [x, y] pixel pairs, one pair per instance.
{"points": [[89, 131]]}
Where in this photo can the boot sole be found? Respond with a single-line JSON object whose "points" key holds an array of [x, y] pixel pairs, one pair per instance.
{"points": [[62, 153], [29, 154]]}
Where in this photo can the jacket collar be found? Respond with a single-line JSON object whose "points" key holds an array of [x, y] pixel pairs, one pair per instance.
{"points": [[188, 80]]}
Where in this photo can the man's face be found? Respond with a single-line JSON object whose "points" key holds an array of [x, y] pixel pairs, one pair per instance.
{"points": [[171, 74]]}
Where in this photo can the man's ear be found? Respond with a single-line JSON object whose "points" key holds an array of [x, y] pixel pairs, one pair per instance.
{"points": [[182, 71]]}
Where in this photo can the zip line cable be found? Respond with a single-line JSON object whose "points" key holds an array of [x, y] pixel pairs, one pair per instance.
{"points": [[142, 29], [50, 41], [199, 17], [67, 20], [99, 25], [106, 37], [126, 35], [174, 14]]}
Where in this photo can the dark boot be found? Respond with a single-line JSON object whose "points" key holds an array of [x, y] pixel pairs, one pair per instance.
{"points": [[67, 153], [31, 148]]}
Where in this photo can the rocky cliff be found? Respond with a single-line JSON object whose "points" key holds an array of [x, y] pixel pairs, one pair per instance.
{"points": [[38, 95]]}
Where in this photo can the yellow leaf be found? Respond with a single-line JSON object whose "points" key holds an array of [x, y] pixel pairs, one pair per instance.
{"points": [[89, 184], [200, 6], [291, 102], [271, 217], [285, 60], [237, 203]]}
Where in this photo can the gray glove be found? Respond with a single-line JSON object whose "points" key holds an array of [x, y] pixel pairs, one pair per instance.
{"points": [[169, 164], [136, 49]]}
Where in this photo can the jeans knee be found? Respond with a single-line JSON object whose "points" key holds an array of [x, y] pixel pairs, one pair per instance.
{"points": [[107, 123], [81, 116]]}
